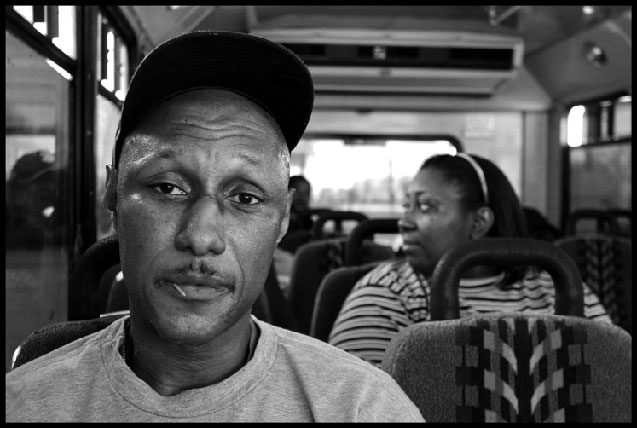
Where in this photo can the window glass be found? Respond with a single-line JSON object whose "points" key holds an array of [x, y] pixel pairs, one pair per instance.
{"points": [[55, 22], [112, 59], [623, 117], [37, 143], [375, 187], [107, 115], [601, 177]]}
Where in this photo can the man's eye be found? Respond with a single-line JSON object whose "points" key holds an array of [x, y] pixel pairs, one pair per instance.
{"points": [[245, 199], [169, 189]]}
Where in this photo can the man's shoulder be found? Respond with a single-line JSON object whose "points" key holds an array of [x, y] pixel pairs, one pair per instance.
{"points": [[329, 374], [320, 355]]}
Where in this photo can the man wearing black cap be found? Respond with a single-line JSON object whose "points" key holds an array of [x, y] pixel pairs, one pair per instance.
{"points": [[198, 192]]}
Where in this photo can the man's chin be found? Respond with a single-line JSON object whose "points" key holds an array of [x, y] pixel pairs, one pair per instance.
{"points": [[187, 331]]}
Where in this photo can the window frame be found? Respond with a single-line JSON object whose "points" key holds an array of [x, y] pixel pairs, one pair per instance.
{"points": [[83, 93]]}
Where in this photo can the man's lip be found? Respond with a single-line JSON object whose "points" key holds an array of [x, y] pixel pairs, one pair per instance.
{"points": [[210, 281]]}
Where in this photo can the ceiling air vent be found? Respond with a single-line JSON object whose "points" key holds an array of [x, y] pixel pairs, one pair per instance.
{"points": [[403, 61]]}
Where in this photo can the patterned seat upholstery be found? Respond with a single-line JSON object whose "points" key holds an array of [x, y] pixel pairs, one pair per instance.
{"points": [[515, 368], [605, 264]]}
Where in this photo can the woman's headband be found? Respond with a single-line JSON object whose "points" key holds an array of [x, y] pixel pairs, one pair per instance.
{"points": [[479, 172]]}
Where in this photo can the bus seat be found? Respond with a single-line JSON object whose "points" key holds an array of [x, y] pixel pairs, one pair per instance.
{"points": [[292, 241], [605, 264], [355, 251], [50, 337], [605, 221], [509, 366], [513, 367], [624, 220], [117, 296], [88, 294], [569, 293], [276, 309], [337, 217], [311, 263], [330, 296]]}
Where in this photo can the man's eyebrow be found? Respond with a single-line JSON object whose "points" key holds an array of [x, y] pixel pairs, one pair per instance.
{"points": [[250, 159], [165, 153]]}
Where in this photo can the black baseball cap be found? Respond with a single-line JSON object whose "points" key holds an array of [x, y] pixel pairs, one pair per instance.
{"points": [[259, 69]]}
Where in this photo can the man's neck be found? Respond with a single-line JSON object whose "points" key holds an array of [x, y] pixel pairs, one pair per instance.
{"points": [[170, 368]]}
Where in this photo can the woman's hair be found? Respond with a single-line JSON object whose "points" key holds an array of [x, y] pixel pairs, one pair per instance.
{"points": [[509, 221]]}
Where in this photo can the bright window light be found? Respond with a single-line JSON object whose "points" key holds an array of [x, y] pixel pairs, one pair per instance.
{"points": [[109, 82], [60, 70], [575, 126], [66, 40], [25, 11], [41, 27]]}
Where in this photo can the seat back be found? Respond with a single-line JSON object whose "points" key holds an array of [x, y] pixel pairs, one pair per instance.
{"points": [[88, 294], [357, 253], [515, 368], [624, 220], [337, 217], [507, 366], [445, 280], [605, 264], [605, 221], [330, 297], [311, 263], [50, 337]]}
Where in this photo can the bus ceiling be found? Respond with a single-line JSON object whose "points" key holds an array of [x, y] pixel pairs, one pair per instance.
{"points": [[429, 57]]}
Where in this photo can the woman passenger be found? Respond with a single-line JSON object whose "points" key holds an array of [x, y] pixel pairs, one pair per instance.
{"points": [[451, 200]]}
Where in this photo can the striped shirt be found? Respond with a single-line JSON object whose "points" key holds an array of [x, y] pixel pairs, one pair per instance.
{"points": [[393, 296]]}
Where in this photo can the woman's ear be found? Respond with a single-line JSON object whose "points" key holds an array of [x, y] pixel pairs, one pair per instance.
{"points": [[483, 219]]}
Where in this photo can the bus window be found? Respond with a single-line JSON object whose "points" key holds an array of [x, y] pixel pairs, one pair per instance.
{"points": [[107, 115], [598, 150], [366, 174], [37, 192], [113, 66]]}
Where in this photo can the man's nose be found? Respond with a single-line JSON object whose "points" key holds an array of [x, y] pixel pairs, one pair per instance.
{"points": [[201, 229]]}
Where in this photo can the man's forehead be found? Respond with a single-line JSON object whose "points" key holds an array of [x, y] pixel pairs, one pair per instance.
{"points": [[207, 115]]}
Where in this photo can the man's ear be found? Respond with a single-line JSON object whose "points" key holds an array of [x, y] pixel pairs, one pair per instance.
{"points": [[483, 219], [110, 197], [285, 221]]}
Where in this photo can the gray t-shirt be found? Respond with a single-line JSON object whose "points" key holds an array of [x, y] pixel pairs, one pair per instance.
{"points": [[291, 377]]}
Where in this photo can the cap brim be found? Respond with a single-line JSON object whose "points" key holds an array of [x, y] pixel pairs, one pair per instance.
{"points": [[257, 68]]}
